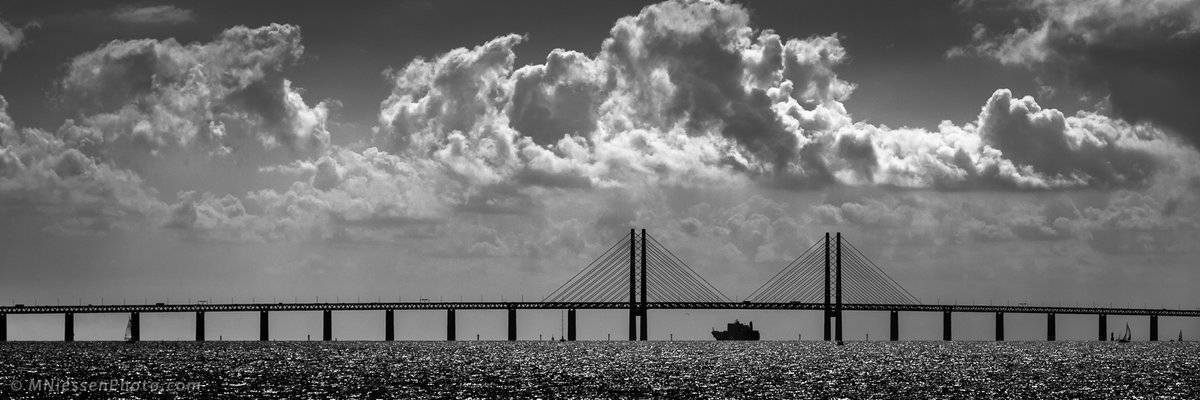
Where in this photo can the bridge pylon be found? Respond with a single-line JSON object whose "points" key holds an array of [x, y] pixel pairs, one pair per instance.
{"points": [[655, 275]]}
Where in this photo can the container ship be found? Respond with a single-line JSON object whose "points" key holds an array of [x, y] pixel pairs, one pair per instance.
{"points": [[736, 331]]}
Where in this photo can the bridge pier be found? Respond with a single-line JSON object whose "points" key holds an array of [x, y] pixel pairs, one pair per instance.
{"points": [[264, 324], [838, 327], [389, 325], [571, 324], [3, 327], [826, 313], [1102, 332], [450, 325], [946, 334], [1153, 328], [135, 327], [199, 326], [69, 327], [633, 305], [1050, 327], [999, 327], [644, 329], [894, 331], [326, 325], [512, 324]]}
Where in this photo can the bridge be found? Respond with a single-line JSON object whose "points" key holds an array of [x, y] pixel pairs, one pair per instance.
{"points": [[638, 273]]}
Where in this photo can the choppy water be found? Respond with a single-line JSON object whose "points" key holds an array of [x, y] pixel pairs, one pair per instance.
{"points": [[612, 369]]}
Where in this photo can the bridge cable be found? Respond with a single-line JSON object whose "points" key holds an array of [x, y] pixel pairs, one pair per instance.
{"points": [[678, 286], [694, 275], [601, 276], [905, 294], [798, 276], [582, 270], [785, 268]]}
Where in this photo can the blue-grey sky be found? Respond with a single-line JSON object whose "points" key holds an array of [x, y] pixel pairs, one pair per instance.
{"points": [[1031, 151]]}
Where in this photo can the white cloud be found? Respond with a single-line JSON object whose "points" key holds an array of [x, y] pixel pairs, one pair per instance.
{"points": [[11, 38]]}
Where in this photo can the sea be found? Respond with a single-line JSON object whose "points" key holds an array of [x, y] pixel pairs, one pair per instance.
{"points": [[600, 370]]}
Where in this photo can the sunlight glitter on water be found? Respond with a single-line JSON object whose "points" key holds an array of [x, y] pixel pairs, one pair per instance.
{"points": [[620, 369]]}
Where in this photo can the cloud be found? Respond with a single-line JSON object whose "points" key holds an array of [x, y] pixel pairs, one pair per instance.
{"points": [[11, 38], [42, 174], [222, 96], [682, 95], [689, 93], [1014, 143], [161, 14], [687, 117], [1140, 56], [1117, 222]]}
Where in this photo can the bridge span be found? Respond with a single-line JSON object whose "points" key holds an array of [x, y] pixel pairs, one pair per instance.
{"points": [[654, 273]]}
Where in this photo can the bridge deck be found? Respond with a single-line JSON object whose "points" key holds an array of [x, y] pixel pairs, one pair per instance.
{"points": [[501, 305]]}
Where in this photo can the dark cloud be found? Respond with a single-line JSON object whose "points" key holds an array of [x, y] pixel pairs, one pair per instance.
{"points": [[220, 95], [1141, 56], [160, 14], [558, 98], [1088, 147]]}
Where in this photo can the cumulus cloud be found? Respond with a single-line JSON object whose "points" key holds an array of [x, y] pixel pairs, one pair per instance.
{"points": [[685, 95], [40, 173], [1015, 143], [1141, 56], [223, 96], [688, 92], [160, 14]]}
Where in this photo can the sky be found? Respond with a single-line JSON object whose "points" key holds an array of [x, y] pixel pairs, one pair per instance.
{"points": [[1029, 151]]}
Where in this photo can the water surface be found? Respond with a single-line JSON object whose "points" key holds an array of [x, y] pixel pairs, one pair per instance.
{"points": [[804, 370]]}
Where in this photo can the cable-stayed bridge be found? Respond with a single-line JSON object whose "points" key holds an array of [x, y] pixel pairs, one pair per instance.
{"points": [[639, 273]]}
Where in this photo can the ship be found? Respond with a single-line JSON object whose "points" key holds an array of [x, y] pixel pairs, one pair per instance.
{"points": [[736, 331]]}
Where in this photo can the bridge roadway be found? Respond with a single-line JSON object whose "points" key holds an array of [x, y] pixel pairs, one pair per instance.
{"points": [[529, 305]]}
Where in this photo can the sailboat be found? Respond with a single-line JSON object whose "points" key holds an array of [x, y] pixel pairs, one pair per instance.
{"points": [[1127, 337], [129, 331], [1180, 339]]}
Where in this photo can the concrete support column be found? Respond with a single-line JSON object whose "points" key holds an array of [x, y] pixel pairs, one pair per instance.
{"points": [[450, 325], [512, 324], [644, 328], [389, 325], [999, 327], [135, 326], [894, 332], [1102, 331], [571, 324], [826, 313], [633, 305], [1050, 327], [3, 327], [838, 295], [69, 327], [199, 326], [1153, 328], [326, 325], [264, 324], [946, 334]]}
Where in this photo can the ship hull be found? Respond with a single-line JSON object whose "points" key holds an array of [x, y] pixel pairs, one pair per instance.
{"points": [[731, 336]]}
